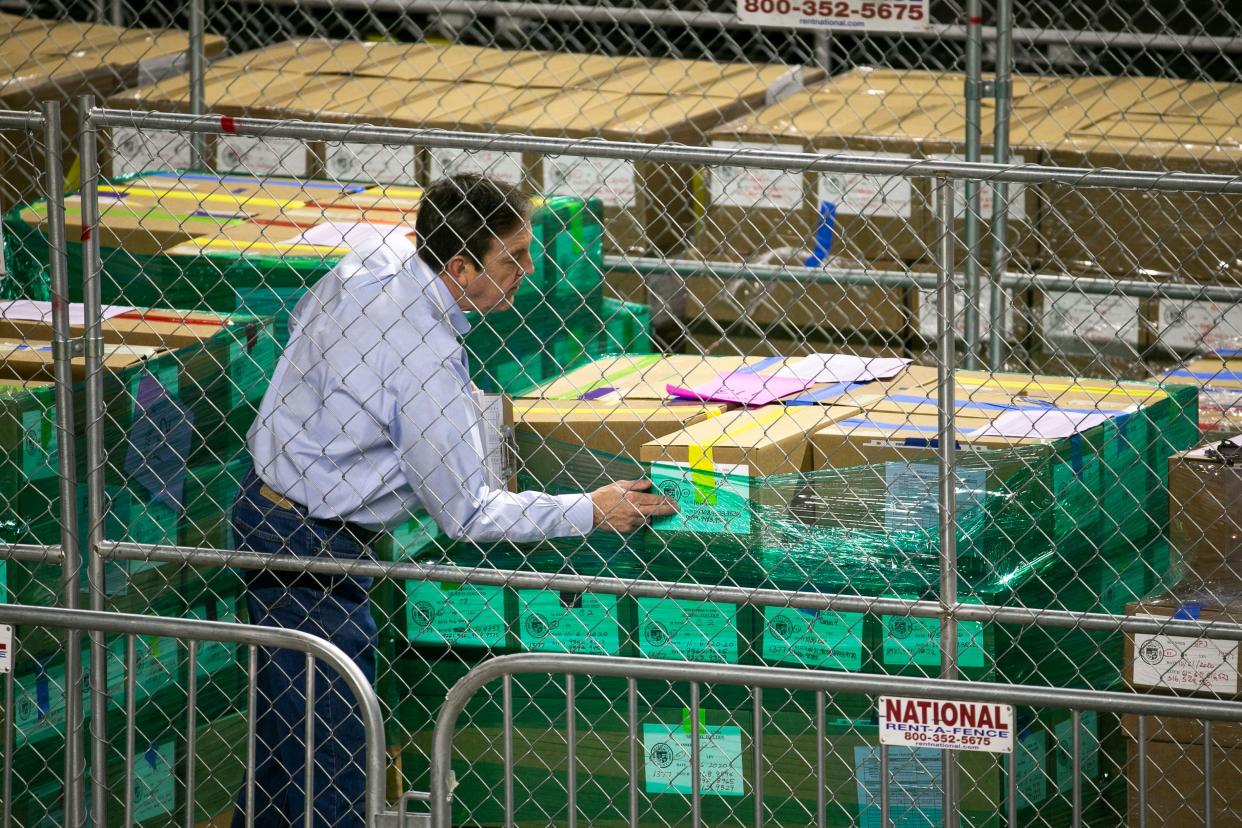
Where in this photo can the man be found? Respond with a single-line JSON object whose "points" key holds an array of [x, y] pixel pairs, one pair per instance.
{"points": [[370, 416]]}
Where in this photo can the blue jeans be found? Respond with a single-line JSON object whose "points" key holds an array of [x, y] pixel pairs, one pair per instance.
{"points": [[336, 609]]}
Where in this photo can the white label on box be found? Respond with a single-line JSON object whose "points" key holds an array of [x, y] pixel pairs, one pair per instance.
{"points": [[1089, 749], [1032, 777], [6, 647], [787, 84], [261, 156], [851, 15], [370, 162], [755, 188], [1191, 324], [1017, 194], [946, 725], [1102, 319], [857, 194], [613, 181], [135, 151], [927, 312], [503, 166], [911, 503], [667, 748], [915, 787], [1183, 663]]}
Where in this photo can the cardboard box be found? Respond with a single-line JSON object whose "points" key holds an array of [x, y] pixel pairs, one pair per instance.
{"points": [[880, 437], [1175, 765], [768, 441], [617, 428], [61, 61], [1205, 522]]}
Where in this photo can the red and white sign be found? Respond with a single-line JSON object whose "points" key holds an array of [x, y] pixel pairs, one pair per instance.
{"points": [[946, 725], [853, 15]]}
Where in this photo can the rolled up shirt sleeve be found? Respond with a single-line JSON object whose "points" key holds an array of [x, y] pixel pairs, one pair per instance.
{"points": [[435, 427]]}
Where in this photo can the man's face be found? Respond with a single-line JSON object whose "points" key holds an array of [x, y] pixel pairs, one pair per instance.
{"points": [[508, 261]]}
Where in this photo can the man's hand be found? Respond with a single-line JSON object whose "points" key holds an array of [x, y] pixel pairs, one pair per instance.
{"points": [[626, 505]]}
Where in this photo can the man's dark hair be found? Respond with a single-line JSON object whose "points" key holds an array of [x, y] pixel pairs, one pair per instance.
{"points": [[460, 215]]}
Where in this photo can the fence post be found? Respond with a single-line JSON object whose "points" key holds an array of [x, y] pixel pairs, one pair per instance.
{"points": [[198, 65], [93, 350], [974, 130], [62, 355], [1000, 189], [946, 351]]}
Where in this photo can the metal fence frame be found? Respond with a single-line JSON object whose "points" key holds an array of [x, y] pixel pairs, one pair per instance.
{"points": [[194, 631], [821, 682], [945, 173], [47, 121]]}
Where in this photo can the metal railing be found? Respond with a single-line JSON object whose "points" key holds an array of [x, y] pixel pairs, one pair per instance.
{"points": [[195, 631], [818, 682]]}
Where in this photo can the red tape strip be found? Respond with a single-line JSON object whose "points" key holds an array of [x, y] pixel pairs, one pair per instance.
{"points": [[228, 124]]}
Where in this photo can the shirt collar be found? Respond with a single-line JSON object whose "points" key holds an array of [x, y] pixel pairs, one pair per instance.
{"points": [[452, 311]]}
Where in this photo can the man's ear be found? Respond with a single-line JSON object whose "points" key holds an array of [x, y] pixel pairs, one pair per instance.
{"points": [[458, 269]]}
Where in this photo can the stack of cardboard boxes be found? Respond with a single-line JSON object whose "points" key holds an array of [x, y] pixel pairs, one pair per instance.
{"points": [[49, 60], [887, 223], [650, 206]]}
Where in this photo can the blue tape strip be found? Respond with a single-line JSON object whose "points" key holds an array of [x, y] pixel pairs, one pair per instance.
{"points": [[816, 397], [1188, 611], [1233, 376], [250, 179], [864, 423], [824, 233], [1228, 352], [1076, 461], [43, 695], [761, 365]]}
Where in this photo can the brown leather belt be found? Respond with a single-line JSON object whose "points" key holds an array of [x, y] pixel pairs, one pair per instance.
{"points": [[364, 536], [275, 499]]}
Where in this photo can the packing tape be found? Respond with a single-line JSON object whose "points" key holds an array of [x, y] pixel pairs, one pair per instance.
{"points": [[1228, 376], [1048, 385], [609, 378], [702, 464], [201, 198], [241, 248]]}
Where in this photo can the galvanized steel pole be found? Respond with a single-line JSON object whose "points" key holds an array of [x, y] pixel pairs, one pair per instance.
{"points": [[974, 129], [92, 315], [1000, 190], [946, 410]]}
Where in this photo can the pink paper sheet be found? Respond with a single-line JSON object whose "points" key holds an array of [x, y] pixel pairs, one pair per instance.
{"points": [[743, 388]]}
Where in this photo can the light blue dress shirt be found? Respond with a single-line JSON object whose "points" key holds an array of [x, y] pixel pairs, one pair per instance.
{"points": [[371, 415]]}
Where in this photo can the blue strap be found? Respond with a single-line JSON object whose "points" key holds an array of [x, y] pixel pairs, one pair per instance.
{"points": [[1188, 611], [824, 233], [816, 397], [1027, 404], [759, 366], [864, 423], [1232, 376], [1228, 352], [250, 179]]}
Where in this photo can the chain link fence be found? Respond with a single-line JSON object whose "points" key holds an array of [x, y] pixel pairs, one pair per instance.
{"points": [[835, 437]]}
